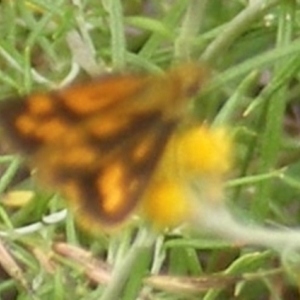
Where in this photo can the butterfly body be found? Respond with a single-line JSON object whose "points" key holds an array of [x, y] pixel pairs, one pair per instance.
{"points": [[99, 142]]}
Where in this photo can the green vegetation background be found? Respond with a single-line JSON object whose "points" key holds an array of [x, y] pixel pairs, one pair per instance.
{"points": [[253, 48]]}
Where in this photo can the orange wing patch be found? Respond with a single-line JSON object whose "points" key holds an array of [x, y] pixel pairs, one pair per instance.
{"points": [[99, 142]]}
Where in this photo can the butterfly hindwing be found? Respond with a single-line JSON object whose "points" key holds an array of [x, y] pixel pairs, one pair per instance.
{"points": [[118, 182]]}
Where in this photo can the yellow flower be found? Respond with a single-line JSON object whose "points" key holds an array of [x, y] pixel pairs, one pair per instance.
{"points": [[201, 153]]}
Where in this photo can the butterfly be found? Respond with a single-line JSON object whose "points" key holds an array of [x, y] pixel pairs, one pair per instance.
{"points": [[99, 142]]}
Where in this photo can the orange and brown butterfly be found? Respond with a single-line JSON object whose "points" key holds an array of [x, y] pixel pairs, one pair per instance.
{"points": [[99, 142]]}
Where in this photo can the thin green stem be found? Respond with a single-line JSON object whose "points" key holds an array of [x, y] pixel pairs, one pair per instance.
{"points": [[235, 28], [118, 42], [189, 29], [123, 269]]}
